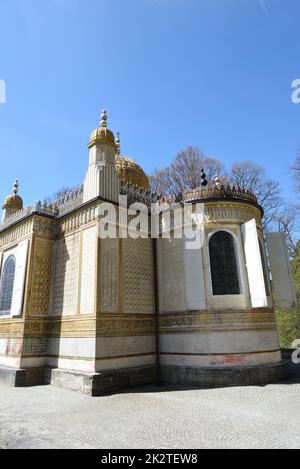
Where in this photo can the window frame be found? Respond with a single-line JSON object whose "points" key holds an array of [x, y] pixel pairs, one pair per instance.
{"points": [[265, 267], [9, 255], [238, 264]]}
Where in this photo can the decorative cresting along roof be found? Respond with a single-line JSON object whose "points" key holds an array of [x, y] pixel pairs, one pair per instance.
{"points": [[138, 194], [65, 204], [220, 192], [102, 134], [14, 201], [215, 193]]}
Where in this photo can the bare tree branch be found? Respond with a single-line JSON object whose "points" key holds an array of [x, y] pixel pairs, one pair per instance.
{"points": [[184, 173], [61, 193], [252, 177], [295, 168], [287, 220]]}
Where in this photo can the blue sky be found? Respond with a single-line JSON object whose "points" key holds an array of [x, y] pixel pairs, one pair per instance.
{"points": [[213, 73]]}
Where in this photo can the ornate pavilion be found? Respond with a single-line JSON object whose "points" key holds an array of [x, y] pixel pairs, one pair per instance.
{"points": [[97, 315]]}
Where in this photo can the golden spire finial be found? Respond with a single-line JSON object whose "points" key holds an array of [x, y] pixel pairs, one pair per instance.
{"points": [[118, 143], [103, 122], [16, 187], [217, 181]]}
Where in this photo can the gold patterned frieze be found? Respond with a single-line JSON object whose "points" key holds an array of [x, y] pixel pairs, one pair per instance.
{"points": [[36, 328], [258, 318], [45, 227], [16, 233], [231, 212], [85, 216], [11, 328], [71, 327], [35, 224], [106, 326], [125, 325]]}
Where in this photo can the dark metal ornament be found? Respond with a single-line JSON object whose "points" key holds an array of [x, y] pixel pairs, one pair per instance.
{"points": [[203, 178]]}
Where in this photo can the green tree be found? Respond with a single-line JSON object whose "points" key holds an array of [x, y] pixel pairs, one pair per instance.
{"points": [[288, 321]]}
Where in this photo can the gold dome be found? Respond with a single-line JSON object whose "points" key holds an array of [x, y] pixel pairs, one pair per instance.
{"points": [[129, 171], [102, 134], [13, 201]]}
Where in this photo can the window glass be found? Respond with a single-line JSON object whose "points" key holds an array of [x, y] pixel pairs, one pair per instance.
{"points": [[223, 264], [7, 285]]}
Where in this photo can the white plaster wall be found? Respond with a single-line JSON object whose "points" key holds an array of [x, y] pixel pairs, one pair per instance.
{"points": [[185, 276], [79, 353], [282, 279], [194, 278], [221, 360], [86, 366], [219, 342], [171, 275], [101, 178], [220, 348], [10, 362], [90, 366], [10, 352], [3, 346], [84, 347], [6, 360], [126, 362]]}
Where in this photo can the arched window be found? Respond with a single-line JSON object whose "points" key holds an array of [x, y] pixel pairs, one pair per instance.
{"points": [[7, 285], [265, 268], [223, 264]]}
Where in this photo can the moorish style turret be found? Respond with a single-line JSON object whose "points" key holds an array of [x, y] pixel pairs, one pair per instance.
{"points": [[102, 135], [101, 179], [13, 202]]}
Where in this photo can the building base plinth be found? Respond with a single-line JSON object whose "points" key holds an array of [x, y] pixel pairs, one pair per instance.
{"points": [[104, 382], [18, 377], [109, 381], [217, 376]]}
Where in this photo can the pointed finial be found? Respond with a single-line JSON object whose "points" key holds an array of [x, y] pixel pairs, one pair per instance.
{"points": [[118, 143], [103, 122], [203, 178], [16, 187]]}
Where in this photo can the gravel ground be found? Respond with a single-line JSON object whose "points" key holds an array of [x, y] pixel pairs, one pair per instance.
{"points": [[152, 417]]}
